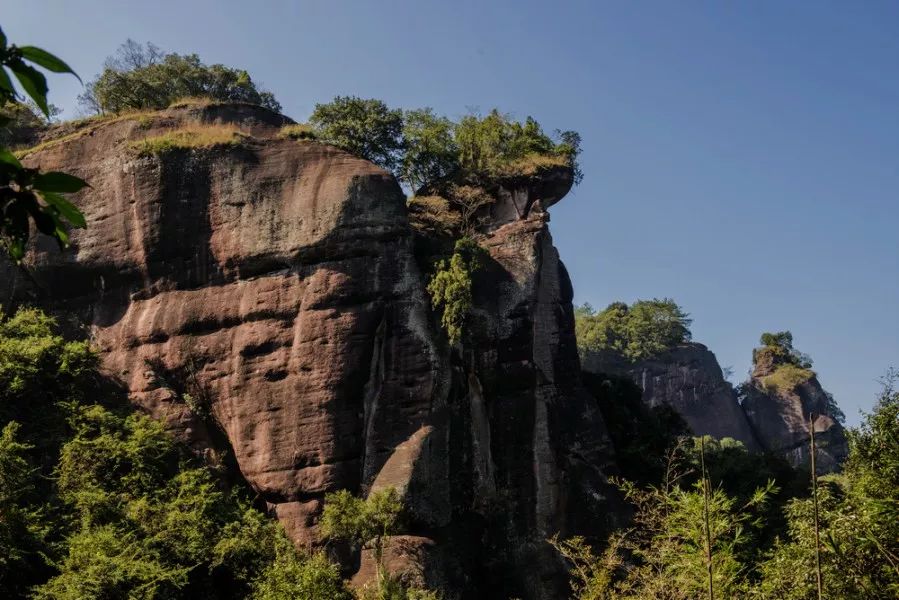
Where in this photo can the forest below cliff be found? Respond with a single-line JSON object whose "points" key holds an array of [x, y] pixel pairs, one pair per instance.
{"points": [[100, 500]]}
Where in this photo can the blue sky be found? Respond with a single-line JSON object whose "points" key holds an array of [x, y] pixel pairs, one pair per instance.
{"points": [[742, 158]]}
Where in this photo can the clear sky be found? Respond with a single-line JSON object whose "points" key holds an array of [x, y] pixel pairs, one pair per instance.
{"points": [[740, 157]]}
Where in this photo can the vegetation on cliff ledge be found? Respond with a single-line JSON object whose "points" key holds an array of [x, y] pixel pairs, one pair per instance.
{"points": [[143, 76], [451, 287], [197, 136], [642, 330], [420, 147]]}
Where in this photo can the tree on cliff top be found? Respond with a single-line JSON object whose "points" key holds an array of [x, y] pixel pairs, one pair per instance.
{"points": [[639, 331], [420, 147], [140, 77], [780, 346], [364, 127]]}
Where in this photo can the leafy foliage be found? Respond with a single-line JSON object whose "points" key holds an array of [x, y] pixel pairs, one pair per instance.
{"points": [[140, 77], [97, 502], [496, 144], [664, 554], [422, 148], [364, 127], [370, 521], [778, 348], [859, 520], [430, 151], [643, 330], [763, 541], [27, 195], [450, 287]]}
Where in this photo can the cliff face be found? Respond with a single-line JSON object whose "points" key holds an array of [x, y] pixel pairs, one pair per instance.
{"points": [[780, 410], [689, 379], [264, 300]]}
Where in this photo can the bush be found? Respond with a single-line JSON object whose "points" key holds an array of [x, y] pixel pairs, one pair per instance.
{"points": [[422, 148], [497, 145], [451, 287], [140, 77], [640, 331]]}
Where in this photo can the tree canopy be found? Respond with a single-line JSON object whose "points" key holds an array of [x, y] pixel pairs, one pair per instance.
{"points": [[421, 147], [642, 330], [364, 127], [143, 76]]}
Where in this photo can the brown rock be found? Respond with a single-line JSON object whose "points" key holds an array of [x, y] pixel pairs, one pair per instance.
{"points": [[689, 379], [264, 300]]}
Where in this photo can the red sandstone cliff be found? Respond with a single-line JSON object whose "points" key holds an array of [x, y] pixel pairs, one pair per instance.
{"points": [[269, 291]]}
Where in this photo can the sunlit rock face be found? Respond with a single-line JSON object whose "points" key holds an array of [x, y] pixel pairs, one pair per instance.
{"points": [[267, 301], [782, 419]]}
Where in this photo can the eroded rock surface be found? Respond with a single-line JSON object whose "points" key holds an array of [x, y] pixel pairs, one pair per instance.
{"points": [[781, 419], [689, 379], [265, 300]]}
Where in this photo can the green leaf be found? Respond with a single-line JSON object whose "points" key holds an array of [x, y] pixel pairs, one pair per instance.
{"points": [[2, 39], [65, 208], [54, 181], [8, 158], [33, 82], [6, 83], [16, 249], [46, 60]]}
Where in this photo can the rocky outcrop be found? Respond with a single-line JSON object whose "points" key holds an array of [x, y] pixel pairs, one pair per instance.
{"points": [[689, 379], [782, 411], [264, 299]]}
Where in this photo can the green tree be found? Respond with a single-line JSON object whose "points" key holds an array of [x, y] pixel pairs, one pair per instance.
{"points": [[140, 77], [642, 330], [430, 152], [780, 346], [859, 520], [451, 287], [291, 576], [27, 195], [676, 527], [497, 144], [364, 127]]}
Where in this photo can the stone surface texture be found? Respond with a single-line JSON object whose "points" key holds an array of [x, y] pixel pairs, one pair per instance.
{"points": [[689, 379], [266, 302], [781, 419]]}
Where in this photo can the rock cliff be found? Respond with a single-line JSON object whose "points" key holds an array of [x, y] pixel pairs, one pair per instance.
{"points": [[779, 405], [266, 300], [689, 379]]}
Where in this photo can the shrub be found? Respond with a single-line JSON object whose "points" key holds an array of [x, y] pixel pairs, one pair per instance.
{"points": [[497, 145], [778, 349], [451, 287], [640, 331], [139, 77]]}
